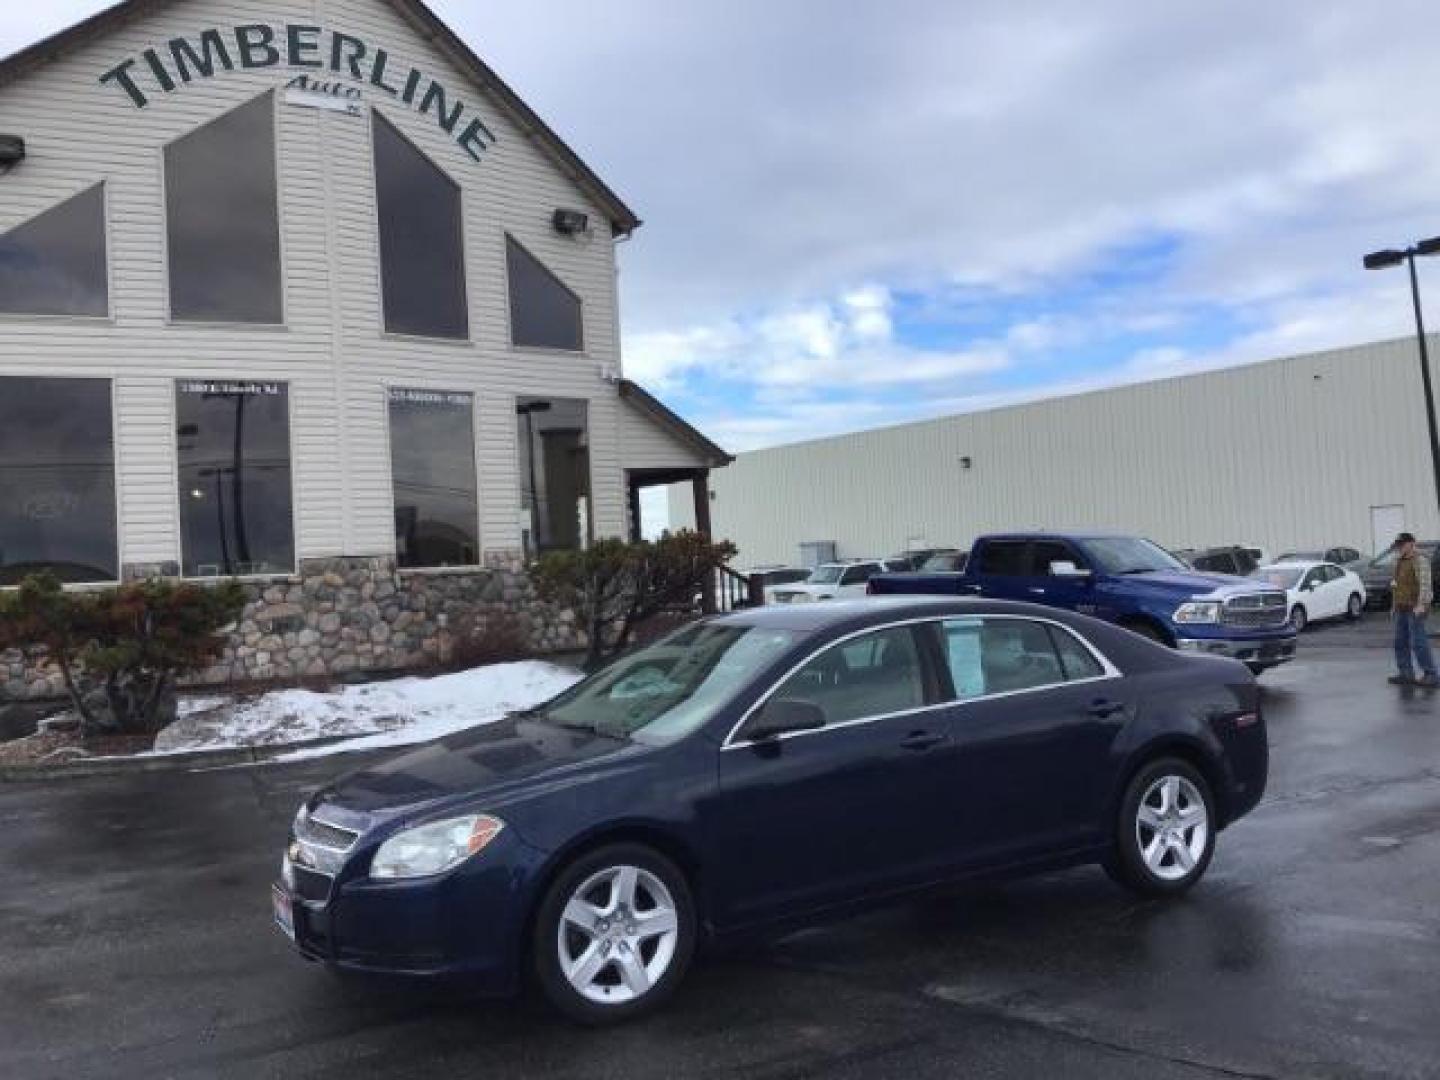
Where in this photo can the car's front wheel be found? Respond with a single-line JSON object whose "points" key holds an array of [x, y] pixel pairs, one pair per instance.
{"points": [[1299, 619], [614, 934], [1165, 836]]}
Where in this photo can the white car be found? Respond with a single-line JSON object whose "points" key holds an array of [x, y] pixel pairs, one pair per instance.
{"points": [[831, 580], [1316, 590]]}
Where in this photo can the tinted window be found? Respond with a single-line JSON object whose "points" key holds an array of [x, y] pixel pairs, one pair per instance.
{"points": [[234, 451], [857, 575], [422, 259], [1005, 557], [554, 473], [57, 480], [1045, 552], [1076, 660], [996, 656], [543, 312], [432, 468], [871, 675], [222, 226], [54, 264], [944, 564]]}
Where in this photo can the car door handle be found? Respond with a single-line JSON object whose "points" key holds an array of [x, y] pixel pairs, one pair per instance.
{"points": [[921, 740], [1105, 709]]}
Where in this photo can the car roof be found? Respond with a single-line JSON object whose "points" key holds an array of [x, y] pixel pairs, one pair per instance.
{"points": [[1298, 564], [875, 611]]}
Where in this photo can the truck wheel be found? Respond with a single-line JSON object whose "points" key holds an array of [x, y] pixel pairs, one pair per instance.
{"points": [[1148, 630]]}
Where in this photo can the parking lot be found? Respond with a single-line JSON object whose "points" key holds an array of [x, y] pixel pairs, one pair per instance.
{"points": [[136, 941]]}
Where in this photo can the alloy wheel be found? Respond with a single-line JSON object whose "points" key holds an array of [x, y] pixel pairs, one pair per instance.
{"points": [[1356, 607], [1298, 619], [1172, 828], [617, 935]]}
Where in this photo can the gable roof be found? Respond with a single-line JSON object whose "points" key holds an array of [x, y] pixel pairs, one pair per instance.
{"points": [[682, 430], [426, 23]]}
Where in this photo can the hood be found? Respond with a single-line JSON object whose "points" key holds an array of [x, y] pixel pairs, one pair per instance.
{"points": [[487, 761], [1196, 583]]}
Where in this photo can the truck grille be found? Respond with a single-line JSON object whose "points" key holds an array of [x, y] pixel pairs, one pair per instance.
{"points": [[1257, 611], [311, 830]]}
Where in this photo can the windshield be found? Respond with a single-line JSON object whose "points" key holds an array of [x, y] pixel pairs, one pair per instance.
{"points": [[825, 575], [1278, 577], [1129, 555], [668, 689]]}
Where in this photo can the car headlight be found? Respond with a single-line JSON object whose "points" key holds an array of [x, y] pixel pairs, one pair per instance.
{"points": [[1198, 611], [434, 848]]}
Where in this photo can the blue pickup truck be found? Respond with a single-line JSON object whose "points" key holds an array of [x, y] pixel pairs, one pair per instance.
{"points": [[1124, 580]]}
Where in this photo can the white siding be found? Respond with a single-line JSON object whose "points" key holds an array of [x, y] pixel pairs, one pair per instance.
{"points": [[646, 445], [332, 350], [1289, 453]]}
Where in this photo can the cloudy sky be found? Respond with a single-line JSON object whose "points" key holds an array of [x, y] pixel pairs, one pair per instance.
{"points": [[861, 213]]}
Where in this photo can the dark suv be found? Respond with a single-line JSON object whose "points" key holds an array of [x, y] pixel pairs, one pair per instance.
{"points": [[1379, 572], [1236, 561]]}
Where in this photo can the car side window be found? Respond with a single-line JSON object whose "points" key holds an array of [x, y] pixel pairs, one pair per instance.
{"points": [[1076, 660], [1313, 578], [1003, 558], [870, 675], [989, 655], [1045, 552]]}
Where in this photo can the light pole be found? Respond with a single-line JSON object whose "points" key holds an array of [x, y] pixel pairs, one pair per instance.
{"points": [[1379, 260]]}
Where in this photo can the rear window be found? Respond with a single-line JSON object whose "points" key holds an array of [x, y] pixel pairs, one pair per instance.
{"points": [[944, 564]]}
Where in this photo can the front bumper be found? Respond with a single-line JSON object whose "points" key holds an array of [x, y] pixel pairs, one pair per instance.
{"points": [[468, 923], [1259, 652]]}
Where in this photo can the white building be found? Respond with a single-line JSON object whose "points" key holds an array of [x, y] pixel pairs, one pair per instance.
{"points": [[300, 290], [1304, 452]]}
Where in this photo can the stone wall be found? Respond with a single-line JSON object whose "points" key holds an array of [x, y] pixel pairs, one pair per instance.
{"points": [[346, 615]]}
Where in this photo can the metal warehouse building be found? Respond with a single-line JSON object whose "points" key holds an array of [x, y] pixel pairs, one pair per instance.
{"points": [[1307, 451], [300, 291]]}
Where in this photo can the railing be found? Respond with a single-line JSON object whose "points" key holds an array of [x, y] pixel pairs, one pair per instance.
{"points": [[732, 591]]}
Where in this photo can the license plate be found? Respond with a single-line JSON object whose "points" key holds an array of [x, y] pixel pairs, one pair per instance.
{"points": [[284, 911]]}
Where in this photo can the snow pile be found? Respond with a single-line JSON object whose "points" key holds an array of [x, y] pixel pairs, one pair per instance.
{"points": [[393, 713]]}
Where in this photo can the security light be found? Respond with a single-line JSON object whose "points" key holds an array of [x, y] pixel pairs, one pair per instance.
{"points": [[570, 222], [1377, 260], [1428, 247], [12, 151]]}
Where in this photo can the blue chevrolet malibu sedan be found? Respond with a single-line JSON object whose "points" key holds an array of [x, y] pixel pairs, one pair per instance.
{"points": [[765, 768]]}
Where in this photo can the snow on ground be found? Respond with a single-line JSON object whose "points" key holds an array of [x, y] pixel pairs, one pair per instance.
{"points": [[397, 712]]}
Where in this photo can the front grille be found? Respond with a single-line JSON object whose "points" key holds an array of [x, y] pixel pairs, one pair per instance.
{"points": [[1257, 611], [322, 834]]}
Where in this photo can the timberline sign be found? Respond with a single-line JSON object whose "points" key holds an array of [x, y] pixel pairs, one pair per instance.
{"points": [[162, 69]]}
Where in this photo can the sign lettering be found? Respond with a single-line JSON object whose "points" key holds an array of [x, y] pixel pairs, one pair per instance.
{"points": [[181, 61]]}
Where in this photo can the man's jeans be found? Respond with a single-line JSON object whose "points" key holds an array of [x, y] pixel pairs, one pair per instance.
{"points": [[1410, 635]]}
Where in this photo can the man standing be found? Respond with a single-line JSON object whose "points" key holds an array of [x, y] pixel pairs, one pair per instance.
{"points": [[1412, 592]]}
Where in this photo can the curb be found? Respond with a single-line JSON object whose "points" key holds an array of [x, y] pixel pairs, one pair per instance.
{"points": [[191, 761]]}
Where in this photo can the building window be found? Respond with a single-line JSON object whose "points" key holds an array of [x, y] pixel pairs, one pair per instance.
{"points": [[222, 219], [57, 480], [432, 467], [544, 313], [54, 264], [235, 511], [422, 256], [554, 474]]}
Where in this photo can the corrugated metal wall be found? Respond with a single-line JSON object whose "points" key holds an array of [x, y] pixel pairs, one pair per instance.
{"points": [[1287, 453]]}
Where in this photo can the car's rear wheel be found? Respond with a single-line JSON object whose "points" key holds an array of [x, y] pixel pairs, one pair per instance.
{"points": [[1299, 619], [1165, 834], [614, 935], [1355, 607]]}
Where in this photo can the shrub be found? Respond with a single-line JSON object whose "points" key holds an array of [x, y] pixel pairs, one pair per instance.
{"points": [[120, 650], [491, 639], [615, 587]]}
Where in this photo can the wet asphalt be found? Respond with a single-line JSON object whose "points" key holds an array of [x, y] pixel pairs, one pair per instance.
{"points": [[135, 941]]}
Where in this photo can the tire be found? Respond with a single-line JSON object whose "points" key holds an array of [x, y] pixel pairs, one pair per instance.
{"points": [[1185, 851], [1299, 619], [1355, 607], [602, 902], [1149, 631]]}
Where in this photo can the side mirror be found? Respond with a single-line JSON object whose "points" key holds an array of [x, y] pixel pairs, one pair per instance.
{"points": [[781, 716], [1066, 568]]}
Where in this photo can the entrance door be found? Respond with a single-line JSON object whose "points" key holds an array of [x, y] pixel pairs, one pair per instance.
{"points": [[1386, 522]]}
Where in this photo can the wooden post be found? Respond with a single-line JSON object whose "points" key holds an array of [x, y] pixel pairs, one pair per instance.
{"points": [[701, 486], [634, 496]]}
